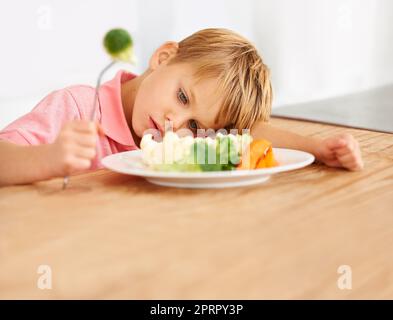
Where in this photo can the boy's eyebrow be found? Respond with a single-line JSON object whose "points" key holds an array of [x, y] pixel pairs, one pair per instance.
{"points": [[192, 95], [193, 100]]}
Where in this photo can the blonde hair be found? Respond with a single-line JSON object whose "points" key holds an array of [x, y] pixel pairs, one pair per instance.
{"points": [[243, 78]]}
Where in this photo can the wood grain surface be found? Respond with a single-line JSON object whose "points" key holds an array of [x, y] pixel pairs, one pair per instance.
{"points": [[114, 236]]}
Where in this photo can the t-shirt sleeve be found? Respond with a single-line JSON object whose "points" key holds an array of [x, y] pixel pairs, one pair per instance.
{"points": [[42, 124]]}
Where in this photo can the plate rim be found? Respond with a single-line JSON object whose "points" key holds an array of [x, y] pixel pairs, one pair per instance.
{"points": [[310, 158]]}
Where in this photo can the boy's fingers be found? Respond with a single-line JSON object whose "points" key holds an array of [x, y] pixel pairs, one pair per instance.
{"points": [[100, 129], [340, 152], [81, 164], [354, 166], [85, 153], [329, 155], [336, 143], [346, 156], [334, 163], [74, 164], [360, 165], [85, 126], [86, 140], [348, 149], [349, 159]]}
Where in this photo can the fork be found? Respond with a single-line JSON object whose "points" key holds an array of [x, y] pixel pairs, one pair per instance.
{"points": [[66, 179]]}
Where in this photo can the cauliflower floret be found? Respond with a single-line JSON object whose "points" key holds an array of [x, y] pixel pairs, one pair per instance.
{"points": [[179, 150]]}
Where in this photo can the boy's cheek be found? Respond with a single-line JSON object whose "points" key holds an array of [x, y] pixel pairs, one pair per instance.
{"points": [[140, 129], [137, 123]]}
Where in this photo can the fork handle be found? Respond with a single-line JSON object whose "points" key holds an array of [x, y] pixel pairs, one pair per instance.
{"points": [[113, 62]]}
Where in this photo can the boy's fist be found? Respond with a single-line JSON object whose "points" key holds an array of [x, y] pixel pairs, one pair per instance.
{"points": [[75, 147], [341, 150]]}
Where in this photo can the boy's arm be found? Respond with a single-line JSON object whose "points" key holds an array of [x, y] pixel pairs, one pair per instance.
{"points": [[340, 150], [23, 164], [72, 151], [284, 139]]}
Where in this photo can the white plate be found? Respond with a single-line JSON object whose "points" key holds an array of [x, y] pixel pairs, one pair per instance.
{"points": [[131, 163]]}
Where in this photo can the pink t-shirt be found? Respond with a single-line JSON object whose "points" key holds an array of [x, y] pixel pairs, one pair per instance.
{"points": [[42, 125]]}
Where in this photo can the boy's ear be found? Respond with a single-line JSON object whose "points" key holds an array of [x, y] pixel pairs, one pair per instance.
{"points": [[163, 54]]}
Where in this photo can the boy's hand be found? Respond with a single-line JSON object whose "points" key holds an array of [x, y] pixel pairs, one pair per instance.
{"points": [[341, 150], [75, 147]]}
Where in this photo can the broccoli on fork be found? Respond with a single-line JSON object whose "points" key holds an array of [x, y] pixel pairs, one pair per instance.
{"points": [[119, 45]]}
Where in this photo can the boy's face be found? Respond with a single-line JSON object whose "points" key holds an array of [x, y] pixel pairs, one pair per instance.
{"points": [[169, 93]]}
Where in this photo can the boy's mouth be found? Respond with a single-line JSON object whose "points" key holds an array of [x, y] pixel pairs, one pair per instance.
{"points": [[154, 125]]}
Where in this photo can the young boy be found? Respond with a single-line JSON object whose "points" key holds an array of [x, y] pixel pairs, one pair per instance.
{"points": [[213, 79]]}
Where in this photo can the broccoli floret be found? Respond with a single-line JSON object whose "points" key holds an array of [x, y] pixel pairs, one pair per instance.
{"points": [[221, 157], [119, 45]]}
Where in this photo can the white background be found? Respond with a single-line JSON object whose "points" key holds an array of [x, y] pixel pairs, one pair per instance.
{"points": [[315, 48]]}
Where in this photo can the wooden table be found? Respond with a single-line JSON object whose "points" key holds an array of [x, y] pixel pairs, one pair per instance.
{"points": [[116, 236]]}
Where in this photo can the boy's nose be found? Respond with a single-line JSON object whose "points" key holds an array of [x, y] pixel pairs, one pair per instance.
{"points": [[176, 123]]}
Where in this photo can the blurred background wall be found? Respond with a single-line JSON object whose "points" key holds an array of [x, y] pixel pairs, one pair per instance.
{"points": [[315, 48]]}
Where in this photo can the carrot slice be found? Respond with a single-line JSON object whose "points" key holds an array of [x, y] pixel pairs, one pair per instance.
{"points": [[268, 160], [258, 155]]}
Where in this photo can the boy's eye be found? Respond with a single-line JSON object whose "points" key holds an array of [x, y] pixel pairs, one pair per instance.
{"points": [[182, 97], [193, 125]]}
